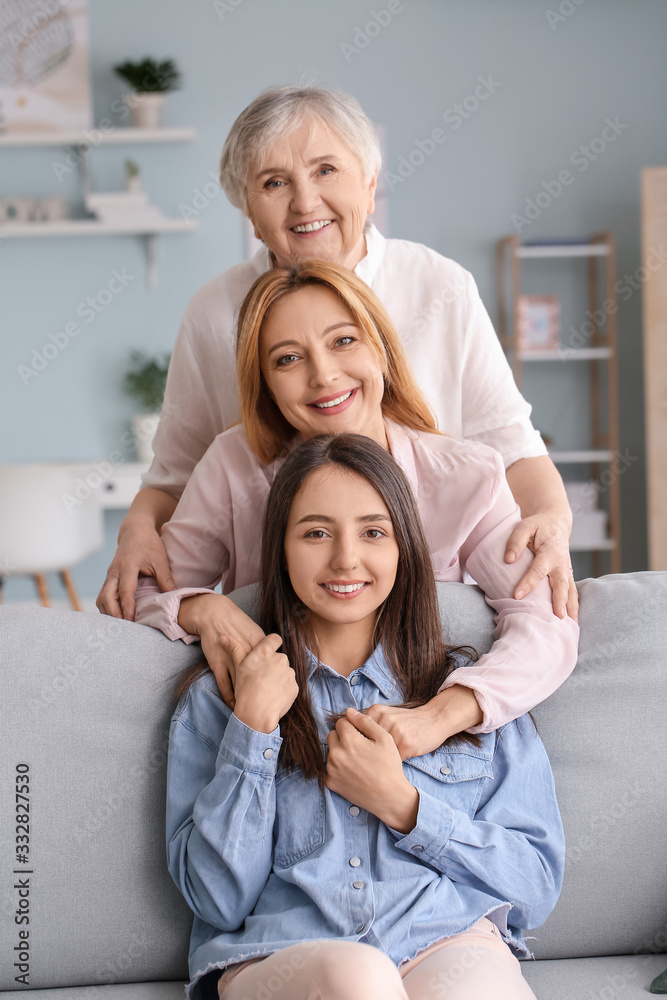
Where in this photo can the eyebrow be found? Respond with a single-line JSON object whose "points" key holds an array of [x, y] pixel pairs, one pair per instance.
{"points": [[329, 157], [328, 329], [364, 519]]}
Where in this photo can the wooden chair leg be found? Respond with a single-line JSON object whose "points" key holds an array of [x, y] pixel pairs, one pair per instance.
{"points": [[68, 584], [40, 580], [2, 583]]}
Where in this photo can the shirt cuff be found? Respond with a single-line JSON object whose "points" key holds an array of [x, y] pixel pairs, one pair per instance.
{"points": [[435, 821], [249, 750]]}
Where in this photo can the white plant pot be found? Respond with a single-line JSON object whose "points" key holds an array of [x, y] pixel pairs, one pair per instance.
{"points": [[146, 109], [144, 426]]}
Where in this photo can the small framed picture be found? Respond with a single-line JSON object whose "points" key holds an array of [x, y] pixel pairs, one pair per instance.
{"points": [[538, 323]]}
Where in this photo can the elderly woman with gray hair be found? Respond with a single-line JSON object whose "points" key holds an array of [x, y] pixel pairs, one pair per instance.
{"points": [[302, 163]]}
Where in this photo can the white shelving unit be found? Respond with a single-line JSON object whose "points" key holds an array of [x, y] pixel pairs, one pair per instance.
{"points": [[598, 251], [84, 142]]}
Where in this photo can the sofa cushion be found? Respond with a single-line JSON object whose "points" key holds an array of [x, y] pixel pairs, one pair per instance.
{"points": [[86, 702]]}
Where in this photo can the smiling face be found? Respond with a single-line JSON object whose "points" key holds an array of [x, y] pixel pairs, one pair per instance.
{"points": [[309, 197], [319, 366], [341, 555]]}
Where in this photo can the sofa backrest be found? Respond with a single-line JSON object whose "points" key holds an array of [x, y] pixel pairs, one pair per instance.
{"points": [[85, 707]]}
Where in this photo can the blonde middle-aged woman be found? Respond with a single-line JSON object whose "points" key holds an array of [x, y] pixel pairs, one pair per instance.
{"points": [[318, 354], [302, 164]]}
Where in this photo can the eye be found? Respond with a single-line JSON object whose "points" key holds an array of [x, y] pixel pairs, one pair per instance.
{"points": [[286, 359], [345, 341], [316, 533], [326, 170], [273, 184], [374, 533]]}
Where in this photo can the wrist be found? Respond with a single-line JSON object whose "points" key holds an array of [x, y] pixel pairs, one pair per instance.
{"points": [[457, 709], [401, 813], [195, 614], [261, 722]]}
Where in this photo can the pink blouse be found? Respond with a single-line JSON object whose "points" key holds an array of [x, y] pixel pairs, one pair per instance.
{"points": [[468, 513]]}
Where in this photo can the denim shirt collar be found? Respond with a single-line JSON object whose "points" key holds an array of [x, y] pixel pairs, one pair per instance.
{"points": [[375, 670]]}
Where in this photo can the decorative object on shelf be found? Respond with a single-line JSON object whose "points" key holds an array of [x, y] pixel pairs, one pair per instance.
{"points": [[118, 207], [44, 66], [592, 344], [145, 381], [51, 208], [132, 176], [17, 209], [150, 81], [538, 323]]}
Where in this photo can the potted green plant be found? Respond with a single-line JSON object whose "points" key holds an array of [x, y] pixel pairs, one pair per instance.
{"points": [[144, 381], [150, 80]]}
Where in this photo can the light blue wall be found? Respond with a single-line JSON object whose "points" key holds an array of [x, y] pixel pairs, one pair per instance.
{"points": [[554, 85]]}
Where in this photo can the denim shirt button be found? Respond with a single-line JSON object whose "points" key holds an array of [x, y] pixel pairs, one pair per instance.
{"points": [[355, 680], [360, 929], [358, 885], [418, 847], [268, 753], [355, 862], [354, 810], [445, 770]]}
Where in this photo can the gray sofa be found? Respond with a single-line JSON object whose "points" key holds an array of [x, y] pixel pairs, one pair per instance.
{"points": [[85, 707]]}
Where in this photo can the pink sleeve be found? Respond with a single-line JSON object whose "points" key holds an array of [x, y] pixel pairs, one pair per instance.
{"points": [[534, 651], [197, 540], [160, 610]]}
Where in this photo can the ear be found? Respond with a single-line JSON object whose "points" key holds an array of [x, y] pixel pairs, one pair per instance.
{"points": [[372, 187]]}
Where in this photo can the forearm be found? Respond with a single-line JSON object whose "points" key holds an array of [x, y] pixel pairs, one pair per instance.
{"points": [[150, 505], [208, 830], [538, 488]]}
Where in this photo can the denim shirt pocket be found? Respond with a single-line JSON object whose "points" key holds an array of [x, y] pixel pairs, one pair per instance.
{"points": [[453, 776], [299, 827]]}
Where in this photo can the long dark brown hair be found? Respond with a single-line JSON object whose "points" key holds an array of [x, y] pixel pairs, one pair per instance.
{"points": [[408, 622]]}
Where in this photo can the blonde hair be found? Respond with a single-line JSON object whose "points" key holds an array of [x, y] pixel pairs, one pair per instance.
{"points": [[279, 112], [267, 430]]}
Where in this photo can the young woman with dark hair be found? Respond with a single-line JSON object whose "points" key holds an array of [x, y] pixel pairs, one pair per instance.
{"points": [[317, 864]]}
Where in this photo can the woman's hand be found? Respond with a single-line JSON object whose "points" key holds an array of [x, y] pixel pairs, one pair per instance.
{"points": [[140, 552], [417, 731], [265, 686], [547, 536], [364, 766], [226, 634]]}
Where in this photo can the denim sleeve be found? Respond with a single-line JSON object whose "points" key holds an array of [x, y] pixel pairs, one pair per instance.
{"points": [[513, 847], [221, 803]]}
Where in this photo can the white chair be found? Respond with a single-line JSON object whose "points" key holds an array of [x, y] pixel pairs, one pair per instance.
{"points": [[44, 526]]}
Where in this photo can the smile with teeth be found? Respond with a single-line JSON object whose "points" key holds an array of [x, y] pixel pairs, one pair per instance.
{"points": [[333, 402], [344, 588], [312, 227]]}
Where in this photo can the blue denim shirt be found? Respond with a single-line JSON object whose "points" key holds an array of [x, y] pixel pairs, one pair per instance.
{"points": [[265, 859]]}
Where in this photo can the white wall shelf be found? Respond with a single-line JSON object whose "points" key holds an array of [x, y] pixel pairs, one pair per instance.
{"points": [[91, 227], [607, 545], [563, 250], [575, 457], [568, 354], [97, 137]]}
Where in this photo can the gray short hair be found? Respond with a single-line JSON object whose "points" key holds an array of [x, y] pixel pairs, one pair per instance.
{"points": [[280, 111]]}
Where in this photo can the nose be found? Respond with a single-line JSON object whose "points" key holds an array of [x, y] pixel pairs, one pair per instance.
{"points": [[345, 557], [322, 370], [305, 198]]}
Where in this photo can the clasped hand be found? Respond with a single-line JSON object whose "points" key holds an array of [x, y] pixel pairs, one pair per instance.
{"points": [[364, 766]]}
